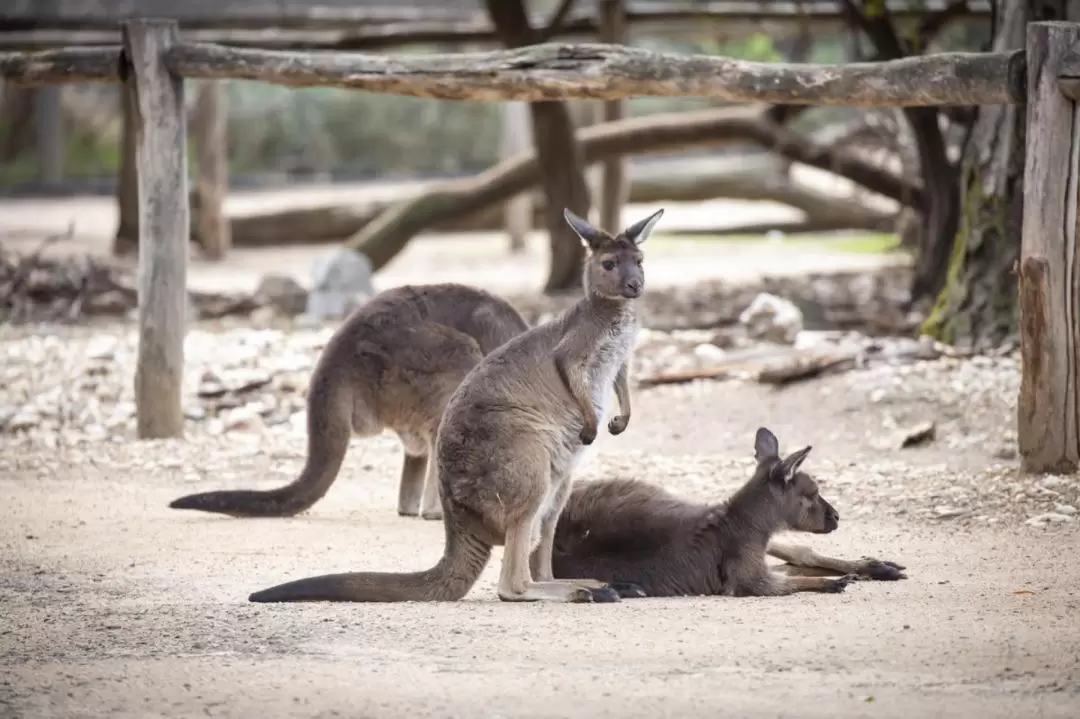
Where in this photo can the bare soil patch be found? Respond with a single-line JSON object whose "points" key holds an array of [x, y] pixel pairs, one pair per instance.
{"points": [[115, 605]]}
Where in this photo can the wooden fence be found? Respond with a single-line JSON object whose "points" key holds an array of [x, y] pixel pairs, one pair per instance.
{"points": [[153, 61]]}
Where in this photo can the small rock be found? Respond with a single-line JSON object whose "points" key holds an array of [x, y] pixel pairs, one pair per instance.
{"points": [[946, 512], [709, 352], [242, 419], [341, 282], [1066, 509], [918, 434], [101, 347], [283, 293], [1041, 520], [772, 318], [1005, 451], [25, 418]]}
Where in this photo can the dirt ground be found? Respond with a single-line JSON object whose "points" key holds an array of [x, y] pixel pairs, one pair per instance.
{"points": [[114, 605]]}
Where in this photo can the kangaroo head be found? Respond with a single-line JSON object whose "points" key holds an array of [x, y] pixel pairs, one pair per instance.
{"points": [[802, 506], [613, 267]]}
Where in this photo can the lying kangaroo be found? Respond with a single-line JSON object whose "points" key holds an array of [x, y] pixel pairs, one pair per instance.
{"points": [[510, 438], [627, 531], [394, 363]]}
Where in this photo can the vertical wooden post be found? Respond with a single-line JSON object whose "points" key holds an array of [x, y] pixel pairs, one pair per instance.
{"points": [[127, 183], [516, 137], [164, 226], [212, 229], [614, 187], [48, 117], [1048, 424]]}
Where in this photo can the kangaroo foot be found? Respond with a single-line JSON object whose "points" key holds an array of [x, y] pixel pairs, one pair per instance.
{"points": [[880, 570], [558, 591], [838, 585], [433, 514], [628, 590]]}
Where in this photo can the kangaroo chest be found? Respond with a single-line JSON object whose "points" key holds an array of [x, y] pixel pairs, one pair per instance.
{"points": [[612, 351]]}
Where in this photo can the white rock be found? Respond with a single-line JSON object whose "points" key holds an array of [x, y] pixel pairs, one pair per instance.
{"points": [[101, 347], [341, 282], [1066, 509], [1040, 520], [772, 318], [946, 512], [242, 419], [25, 418], [709, 352]]}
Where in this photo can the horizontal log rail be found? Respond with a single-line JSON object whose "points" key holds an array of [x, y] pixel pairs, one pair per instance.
{"points": [[555, 71]]}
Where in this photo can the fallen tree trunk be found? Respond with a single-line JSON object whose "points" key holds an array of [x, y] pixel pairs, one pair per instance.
{"points": [[332, 223], [388, 234]]}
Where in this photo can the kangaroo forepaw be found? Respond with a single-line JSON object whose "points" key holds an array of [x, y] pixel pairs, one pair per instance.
{"points": [[588, 434], [838, 585], [628, 590], [618, 424], [880, 570]]}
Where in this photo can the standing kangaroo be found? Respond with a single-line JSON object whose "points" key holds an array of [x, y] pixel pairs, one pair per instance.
{"points": [[393, 364], [631, 531], [510, 438]]}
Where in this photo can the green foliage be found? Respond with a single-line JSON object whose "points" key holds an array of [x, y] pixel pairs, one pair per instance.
{"points": [[870, 243]]}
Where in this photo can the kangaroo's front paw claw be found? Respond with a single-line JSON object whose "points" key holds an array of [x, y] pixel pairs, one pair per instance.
{"points": [[838, 585], [618, 424], [588, 434]]}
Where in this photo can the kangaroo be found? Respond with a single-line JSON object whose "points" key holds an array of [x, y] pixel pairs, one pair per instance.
{"points": [[509, 441], [393, 364], [627, 531]]}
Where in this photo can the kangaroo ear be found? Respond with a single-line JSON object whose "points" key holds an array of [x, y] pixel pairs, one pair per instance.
{"points": [[766, 445], [786, 470], [639, 231], [590, 236]]}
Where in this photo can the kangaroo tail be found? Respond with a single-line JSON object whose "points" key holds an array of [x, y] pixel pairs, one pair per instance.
{"points": [[329, 420], [450, 579]]}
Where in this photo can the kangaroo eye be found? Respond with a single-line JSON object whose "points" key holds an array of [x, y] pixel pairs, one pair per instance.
{"points": [[609, 265]]}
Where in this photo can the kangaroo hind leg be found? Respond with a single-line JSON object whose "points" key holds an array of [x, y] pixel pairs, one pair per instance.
{"points": [[528, 539], [411, 489]]}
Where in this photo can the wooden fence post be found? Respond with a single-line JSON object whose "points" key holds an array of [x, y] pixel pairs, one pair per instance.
{"points": [[614, 186], [1048, 426], [164, 226], [209, 135]]}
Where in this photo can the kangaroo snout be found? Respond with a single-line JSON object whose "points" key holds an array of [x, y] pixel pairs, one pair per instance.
{"points": [[632, 289], [832, 518]]}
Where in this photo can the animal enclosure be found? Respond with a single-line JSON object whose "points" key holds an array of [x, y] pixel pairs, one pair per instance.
{"points": [[154, 61]]}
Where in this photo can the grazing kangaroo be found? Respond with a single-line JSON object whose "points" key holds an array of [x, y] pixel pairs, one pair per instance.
{"points": [[510, 438], [630, 531], [393, 364]]}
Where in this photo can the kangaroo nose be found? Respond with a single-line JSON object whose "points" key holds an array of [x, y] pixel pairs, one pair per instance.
{"points": [[633, 286]]}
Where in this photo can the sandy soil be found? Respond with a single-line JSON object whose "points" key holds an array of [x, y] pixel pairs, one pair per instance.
{"points": [[114, 605], [118, 606]]}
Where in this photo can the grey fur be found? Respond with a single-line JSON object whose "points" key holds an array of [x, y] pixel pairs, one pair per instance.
{"points": [[393, 364], [626, 531], [510, 438]]}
